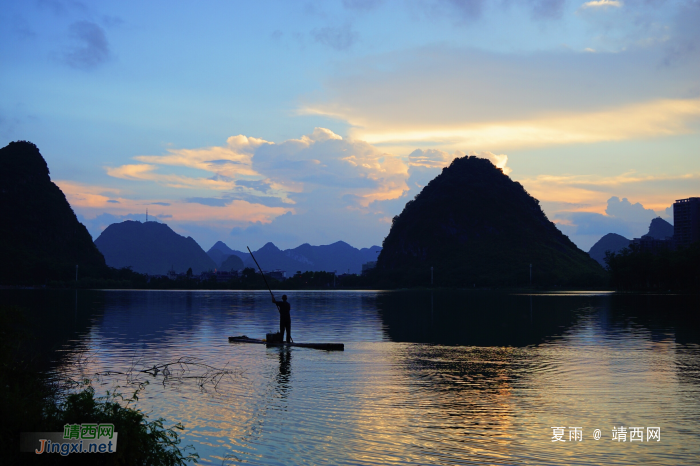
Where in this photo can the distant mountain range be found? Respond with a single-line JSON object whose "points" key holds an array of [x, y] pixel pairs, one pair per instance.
{"points": [[339, 256], [152, 248], [658, 229]]}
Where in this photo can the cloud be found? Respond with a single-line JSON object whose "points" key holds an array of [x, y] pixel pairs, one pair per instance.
{"points": [[63, 7], [602, 4], [649, 119], [324, 159], [113, 21], [271, 174], [364, 5], [338, 38], [643, 120], [473, 10], [464, 99], [92, 201], [231, 160], [22, 29], [319, 187], [548, 9], [319, 177], [684, 43], [623, 217], [586, 207], [625, 210], [590, 192], [210, 201], [466, 9], [147, 172], [434, 158], [90, 48]]}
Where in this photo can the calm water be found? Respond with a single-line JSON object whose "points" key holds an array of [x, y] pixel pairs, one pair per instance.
{"points": [[443, 378]]}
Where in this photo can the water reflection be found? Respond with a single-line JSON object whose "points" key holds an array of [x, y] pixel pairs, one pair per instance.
{"points": [[54, 321], [477, 319], [285, 371], [426, 378]]}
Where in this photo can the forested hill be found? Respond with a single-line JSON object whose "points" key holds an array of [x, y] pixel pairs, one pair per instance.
{"points": [[611, 242], [151, 247], [476, 226], [40, 237]]}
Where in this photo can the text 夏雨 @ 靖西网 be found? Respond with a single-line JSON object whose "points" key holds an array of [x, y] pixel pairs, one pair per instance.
{"points": [[619, 434]]}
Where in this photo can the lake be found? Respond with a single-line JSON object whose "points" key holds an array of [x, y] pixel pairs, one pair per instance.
{"points": [[445, 378]]}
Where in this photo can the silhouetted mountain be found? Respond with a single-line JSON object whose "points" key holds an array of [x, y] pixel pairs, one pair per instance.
{"points": [[232, 262], [152, 248], [475, 225], [339, 256], [611, 242], [660, 229], [40, 237], [220, 252]]}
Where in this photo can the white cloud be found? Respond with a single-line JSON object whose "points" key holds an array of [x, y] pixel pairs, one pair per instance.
{"points": [[320, 183], [434, 158], [455, 99], [602, 4], [625, 210], [91, 201], [622, 217], [590, 193], [643, 120]]}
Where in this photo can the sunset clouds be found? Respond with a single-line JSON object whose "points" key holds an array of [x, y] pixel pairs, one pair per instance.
{"points": [[316, 122], [251, 185], [460, 98]]}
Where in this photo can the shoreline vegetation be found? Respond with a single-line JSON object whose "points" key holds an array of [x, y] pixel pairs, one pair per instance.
{"points": [[32, 402], [629, 270]]}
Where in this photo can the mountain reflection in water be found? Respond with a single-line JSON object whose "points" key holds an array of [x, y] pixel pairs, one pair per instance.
{"points": [[426, 378]]}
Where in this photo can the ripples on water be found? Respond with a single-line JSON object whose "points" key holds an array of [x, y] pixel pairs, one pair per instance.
{"points": [[442, 378]]}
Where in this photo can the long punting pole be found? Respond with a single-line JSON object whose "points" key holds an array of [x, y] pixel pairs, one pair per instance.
{"points": [[261, 272]]}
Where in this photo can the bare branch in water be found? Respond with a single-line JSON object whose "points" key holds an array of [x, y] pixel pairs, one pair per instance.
{"points": [[174, 372], [178, 371]]}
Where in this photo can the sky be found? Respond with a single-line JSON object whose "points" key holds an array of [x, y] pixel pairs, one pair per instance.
{"points": [[314, 122]]}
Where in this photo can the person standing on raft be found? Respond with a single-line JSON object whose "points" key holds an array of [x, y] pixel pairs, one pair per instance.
{"points": [[285, 318]]}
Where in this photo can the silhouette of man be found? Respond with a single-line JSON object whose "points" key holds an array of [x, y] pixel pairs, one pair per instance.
{"points": [[285, 318]]}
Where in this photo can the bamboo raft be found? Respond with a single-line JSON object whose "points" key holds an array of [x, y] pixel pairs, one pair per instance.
{"points": [[321, 346]]}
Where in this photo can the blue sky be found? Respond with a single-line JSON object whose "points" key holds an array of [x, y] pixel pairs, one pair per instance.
{"points": [[296, 122]]}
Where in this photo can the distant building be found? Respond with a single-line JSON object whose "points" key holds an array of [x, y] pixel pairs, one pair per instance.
{"points": [[686, 221], [277, 274], [653, 245], [224, 276], [150, 277], [368, 266]]}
